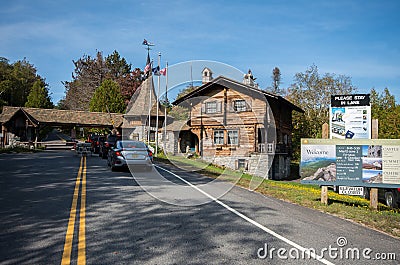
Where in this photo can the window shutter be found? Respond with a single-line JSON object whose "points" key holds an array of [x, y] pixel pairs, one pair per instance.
{"points": [[248, 105], [219, 106], [203, 108]]}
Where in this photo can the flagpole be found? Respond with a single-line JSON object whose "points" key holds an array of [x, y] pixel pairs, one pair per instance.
{"points": [[148, 64], [148, 125], [165, 107], [157, 98]]}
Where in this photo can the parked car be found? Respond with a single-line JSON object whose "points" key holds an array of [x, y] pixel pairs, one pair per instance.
{"points": [[130, 153], [91, 138], [391, 197], [98, 141], [107, 144]]}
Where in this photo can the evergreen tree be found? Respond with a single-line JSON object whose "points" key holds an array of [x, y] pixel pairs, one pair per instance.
{"points": [[39, 97], [276, 82], [107, 97], [385, 109]]}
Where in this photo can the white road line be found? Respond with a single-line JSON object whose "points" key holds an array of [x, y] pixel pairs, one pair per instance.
{"points": [[265, 229]]}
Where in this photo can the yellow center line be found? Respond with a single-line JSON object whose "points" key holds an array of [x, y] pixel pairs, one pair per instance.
{"points": [[82, 217], [66, 258]]}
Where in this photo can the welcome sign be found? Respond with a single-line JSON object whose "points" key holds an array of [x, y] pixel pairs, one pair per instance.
{"points": [[357, 162]]}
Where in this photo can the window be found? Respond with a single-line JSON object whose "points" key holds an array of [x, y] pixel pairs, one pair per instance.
{"points": [[218, 137], [239, 105], [270, 148], [241, 164], [233, 137], [212, 107]]}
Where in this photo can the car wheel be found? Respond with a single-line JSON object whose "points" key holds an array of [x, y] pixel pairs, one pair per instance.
{"points": [[390, 199], [112, 167]]}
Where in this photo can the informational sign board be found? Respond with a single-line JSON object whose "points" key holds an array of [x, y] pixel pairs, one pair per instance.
{"points": [[356, 162], [350, 117]]}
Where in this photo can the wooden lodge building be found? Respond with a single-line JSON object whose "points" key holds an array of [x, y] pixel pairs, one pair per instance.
{"points": [[236, 125]]}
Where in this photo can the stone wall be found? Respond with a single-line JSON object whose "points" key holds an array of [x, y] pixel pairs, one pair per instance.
{"points": [[255, 164]]}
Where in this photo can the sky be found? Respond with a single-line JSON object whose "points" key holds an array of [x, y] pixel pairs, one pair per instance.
{"points": [[359, 39]]}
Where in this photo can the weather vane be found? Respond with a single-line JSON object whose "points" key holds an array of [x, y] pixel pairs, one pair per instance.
{"points": [[148, 44]]}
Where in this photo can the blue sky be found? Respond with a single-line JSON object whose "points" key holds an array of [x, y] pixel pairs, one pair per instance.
{"points": [[360, 39]]}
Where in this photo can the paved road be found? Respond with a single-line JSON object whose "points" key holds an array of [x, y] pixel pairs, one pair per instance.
{"points": [[123, 224]]}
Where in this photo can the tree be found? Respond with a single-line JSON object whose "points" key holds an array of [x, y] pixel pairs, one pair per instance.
{"points": [[116, 66], [384, 108], [129, 83], [90, 72], [276, 81], [16, 81], [188, 89], [107, 97], [39, 97], [312, 92], [88, 75]]}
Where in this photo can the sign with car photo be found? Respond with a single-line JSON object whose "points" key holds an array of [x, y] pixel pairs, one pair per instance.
{"points": [[357, 162], [350, 117]]}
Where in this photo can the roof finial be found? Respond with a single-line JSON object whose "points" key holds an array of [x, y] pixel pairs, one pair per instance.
{"points": [[148, 44], [148, 61]]}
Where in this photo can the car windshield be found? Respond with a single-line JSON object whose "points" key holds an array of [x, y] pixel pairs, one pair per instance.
{"points": [[132, 145]]}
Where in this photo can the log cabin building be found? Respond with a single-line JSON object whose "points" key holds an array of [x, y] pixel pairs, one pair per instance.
{"points": [[236, 125]]}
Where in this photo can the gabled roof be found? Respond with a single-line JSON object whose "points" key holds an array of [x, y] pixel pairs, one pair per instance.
{"points": [[140, 101], [54, 116], [227, 82]]}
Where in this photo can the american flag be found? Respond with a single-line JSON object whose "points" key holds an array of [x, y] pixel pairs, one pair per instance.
{"points": [[147, 68]]}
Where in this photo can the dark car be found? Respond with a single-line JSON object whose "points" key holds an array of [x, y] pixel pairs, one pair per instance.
{"points": [[391, 197], [133, 154], [98, 141], [107, 144]]}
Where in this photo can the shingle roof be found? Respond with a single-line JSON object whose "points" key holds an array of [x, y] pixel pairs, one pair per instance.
{"points": [[140, 101], [178, 126], [54, 116]]}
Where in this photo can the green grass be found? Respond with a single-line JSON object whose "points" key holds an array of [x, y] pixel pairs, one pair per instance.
{"points": [[17, 149], [348, 207]]}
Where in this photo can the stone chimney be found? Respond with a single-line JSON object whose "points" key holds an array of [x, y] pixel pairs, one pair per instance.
{"points": [[248, 79], [207, 75]]}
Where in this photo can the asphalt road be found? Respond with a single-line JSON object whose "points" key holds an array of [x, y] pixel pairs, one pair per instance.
{"points": [[119, 221]]}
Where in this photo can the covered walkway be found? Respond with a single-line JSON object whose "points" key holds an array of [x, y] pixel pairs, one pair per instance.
{"points": [[26, 123]]}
